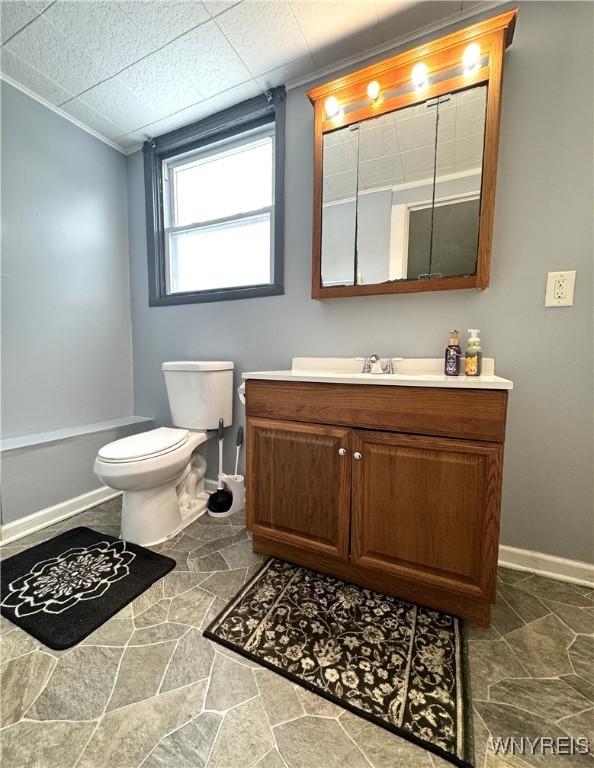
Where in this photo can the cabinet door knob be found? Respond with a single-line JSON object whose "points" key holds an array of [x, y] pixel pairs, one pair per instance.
{"points": [[342, 451], [357, 455]]}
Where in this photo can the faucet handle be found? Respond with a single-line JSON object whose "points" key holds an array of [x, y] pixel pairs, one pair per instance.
{"points": [[369, 362], [388, 364]]}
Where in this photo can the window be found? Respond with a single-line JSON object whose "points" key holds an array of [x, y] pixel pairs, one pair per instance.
{"points": [[215, 204]]}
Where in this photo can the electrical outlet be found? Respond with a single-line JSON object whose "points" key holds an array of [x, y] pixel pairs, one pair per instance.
{"points": [[559, 290]]}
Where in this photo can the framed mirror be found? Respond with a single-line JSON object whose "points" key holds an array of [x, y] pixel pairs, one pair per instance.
{"points": [[405, 165]]}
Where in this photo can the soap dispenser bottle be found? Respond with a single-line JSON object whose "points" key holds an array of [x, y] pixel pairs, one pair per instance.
{"points": [[473, 362], [453, 355]]}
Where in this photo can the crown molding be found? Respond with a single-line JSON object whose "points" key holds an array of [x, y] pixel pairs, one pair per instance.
{"points": [[44, 102]]}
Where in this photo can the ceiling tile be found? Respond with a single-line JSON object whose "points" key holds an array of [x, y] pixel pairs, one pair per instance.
{"points": [[447, 122], [102, 30], [265, 35], [379, 142], [387, 8], [334, 31], [418, 162], [335, 137], [215, 7], [120, 105], [340, 157], [470, 118], [343, 184], [204, 58], [30, 78], [207, 107], [44, 47], [14, 14], [469, 152], [445, 157], [287, 72], [93, 119], [417, 131], [381, 171], [164, 21], [163, 81]]}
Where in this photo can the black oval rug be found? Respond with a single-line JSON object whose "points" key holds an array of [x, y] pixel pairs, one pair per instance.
{"points": [[394, 663], [65, 588]]}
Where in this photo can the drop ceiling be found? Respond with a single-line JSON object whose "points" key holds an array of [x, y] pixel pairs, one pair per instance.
{"points": [[133, 69]]}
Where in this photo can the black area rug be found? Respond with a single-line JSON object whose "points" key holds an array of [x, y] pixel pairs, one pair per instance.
{"points": [[392, 662], [65, 588]]}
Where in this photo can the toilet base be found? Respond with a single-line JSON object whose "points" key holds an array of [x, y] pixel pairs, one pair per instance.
{"points": [[149, 517], [154, 515]]}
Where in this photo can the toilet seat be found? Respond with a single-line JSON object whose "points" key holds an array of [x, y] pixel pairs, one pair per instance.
{"points": [[143, 446]]}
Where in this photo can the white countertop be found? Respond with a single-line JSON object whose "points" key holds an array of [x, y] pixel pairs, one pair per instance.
{"points": [[412, 372]]}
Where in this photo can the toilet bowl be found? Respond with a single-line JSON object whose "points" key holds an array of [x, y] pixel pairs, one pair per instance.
{"points": [[160, 472]]}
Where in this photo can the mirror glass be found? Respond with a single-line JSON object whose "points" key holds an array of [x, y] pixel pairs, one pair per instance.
{"points": [[401, 193]]}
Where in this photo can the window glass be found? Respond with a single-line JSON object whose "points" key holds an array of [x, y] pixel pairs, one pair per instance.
{"points": [[224, 183], [235, 253]]}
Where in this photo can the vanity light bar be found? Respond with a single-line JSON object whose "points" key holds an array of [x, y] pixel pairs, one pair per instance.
{"points": [[470, 61], [471, 57], [373, 90], [331, 107], [419, 75]]}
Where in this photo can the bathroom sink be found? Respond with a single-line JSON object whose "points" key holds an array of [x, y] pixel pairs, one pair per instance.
{"points": [[412, 372]]}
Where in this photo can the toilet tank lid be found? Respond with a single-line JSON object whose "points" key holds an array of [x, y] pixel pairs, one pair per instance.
{"points": [[198, 365]]}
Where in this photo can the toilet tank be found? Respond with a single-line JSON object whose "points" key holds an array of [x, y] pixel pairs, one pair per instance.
{"points": [[199, 392]]}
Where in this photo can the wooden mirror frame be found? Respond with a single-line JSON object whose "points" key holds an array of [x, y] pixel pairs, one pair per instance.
{"points": [[493, 35]]}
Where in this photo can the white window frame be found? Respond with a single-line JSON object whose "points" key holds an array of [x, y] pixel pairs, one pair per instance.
{"points": [[195, 157]]}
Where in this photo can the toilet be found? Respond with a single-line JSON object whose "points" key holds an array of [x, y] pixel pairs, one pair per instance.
{"points": [[159, 472]]}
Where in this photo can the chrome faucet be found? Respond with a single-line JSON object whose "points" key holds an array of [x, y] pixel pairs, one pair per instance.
{"points": [[374, 364], [371, 364]]}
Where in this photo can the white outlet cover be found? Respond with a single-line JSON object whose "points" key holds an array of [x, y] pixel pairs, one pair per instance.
{"points": [[559, 290]]}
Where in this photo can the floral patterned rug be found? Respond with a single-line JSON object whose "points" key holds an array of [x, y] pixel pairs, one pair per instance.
{"points": [[395, 663], [65, 588]]}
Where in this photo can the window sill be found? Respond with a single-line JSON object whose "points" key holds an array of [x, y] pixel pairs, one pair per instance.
{"points": [[227, 294]]}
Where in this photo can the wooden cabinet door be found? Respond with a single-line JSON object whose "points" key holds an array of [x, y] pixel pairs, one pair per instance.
{"points": [[299, 484], [427, 509]]}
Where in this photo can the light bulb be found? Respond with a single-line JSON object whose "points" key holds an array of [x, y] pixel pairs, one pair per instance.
{"points": [[471, 57], [419, 75], [373, 90], [331, 106]]}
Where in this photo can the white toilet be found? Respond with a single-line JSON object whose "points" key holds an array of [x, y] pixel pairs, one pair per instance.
{"points": [[161, 477]]}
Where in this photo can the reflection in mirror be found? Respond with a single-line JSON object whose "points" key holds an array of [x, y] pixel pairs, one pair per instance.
{"points": [[455, 215], [401, 193], [340, 159]]}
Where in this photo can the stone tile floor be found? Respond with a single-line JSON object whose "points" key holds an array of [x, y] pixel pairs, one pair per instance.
{"points": [[146, 689]]}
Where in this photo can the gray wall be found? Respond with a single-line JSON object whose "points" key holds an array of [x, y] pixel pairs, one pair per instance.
{"points": [[66, 336], [543, 222], [40, 476], [66, 339]]}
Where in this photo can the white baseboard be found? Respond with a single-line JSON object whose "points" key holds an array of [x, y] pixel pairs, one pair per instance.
{"points": [[560, 568], [38, 520]]}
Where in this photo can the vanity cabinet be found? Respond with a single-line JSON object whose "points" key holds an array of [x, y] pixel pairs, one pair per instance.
{"points": [[300, 485], [394, 488]]}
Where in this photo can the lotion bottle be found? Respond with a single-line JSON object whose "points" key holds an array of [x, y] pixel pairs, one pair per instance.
{"points": [[453, 355], [473, 362]]}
